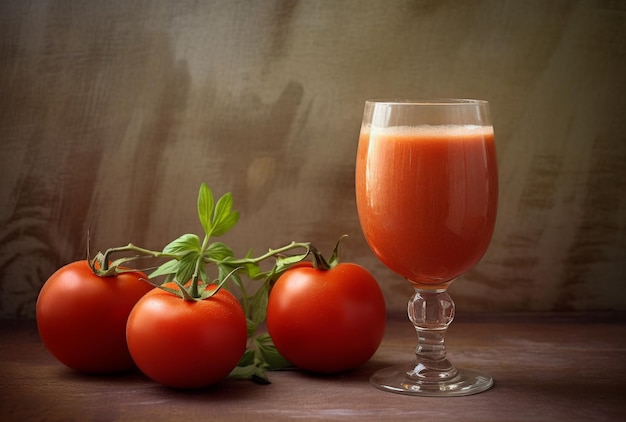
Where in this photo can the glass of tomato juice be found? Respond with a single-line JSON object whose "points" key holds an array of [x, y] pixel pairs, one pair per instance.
{"points": [[427, 195]]}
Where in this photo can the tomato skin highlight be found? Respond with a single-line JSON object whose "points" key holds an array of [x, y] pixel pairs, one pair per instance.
{"points": [[81, 317], [327, 321], [187, 344]]}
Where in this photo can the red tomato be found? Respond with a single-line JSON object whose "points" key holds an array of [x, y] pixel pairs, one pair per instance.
{"points": [[326, 321], [187, 344], [81, 317]]}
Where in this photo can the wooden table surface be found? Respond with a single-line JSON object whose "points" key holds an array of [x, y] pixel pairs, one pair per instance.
{"points": [[546, 367]]}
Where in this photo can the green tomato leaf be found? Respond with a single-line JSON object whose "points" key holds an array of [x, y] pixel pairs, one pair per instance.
{"points": [[260, 377], [187, 267], [268, 353], [251, 326], [247, 358], [167, 268], [243, 372], [219, 251], [224, 218], [259, 304], [184, 244], [225, 271], [206, 206], [251, 372], [253, 271], [284, 262], [257, 309]]}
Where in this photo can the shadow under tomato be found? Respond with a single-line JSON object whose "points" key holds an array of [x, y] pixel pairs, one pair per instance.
{"points": [[226, 389], [356, 375], [130, 376]]}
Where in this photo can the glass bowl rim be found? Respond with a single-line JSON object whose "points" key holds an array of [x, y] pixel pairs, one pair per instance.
{"points": [[428, 102]]}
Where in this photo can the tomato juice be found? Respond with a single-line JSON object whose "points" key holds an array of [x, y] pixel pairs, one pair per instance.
{"points": [[427, 197]]}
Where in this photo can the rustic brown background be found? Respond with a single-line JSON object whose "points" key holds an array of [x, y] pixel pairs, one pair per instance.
{"points": [[113, 112]]}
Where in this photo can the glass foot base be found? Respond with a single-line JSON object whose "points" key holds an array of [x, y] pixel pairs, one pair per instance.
{"points": [[397, 379]]}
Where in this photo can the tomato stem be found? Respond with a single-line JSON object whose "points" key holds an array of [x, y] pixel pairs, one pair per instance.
{"points": [[102, 265], [271, 253], [319, 262]]}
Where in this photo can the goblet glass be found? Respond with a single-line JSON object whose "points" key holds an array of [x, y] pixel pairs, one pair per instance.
{"points": [[427, 194]]}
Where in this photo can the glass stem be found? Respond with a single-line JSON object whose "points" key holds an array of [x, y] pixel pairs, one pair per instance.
{"points": [[431, 311]]}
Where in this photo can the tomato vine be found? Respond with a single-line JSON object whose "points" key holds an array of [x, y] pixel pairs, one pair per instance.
{"points": [[187, 257]]}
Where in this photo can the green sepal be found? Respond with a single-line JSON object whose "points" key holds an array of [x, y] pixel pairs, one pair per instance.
{"points": [[206, 294], [170, 290], [184, 292]]}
